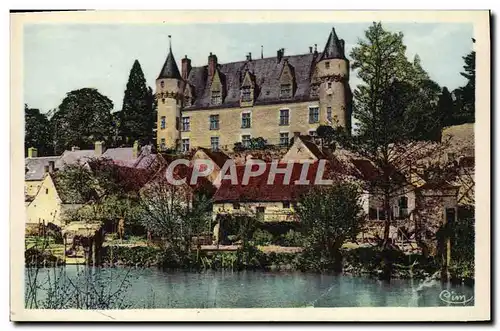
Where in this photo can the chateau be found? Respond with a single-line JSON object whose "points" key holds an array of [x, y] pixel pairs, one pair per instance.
{"points": [[217, 105]]}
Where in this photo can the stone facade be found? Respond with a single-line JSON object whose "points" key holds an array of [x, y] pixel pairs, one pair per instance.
{"points": [[218, 105]]}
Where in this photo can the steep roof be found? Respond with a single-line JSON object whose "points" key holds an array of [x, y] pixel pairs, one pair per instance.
{"points": [[257, 188], [267, 73], [312, 147], [123, 156], [334, 48], [68, 195], [74, 157], [170, 69], [36, 166], [218, 157], [366, 169]]}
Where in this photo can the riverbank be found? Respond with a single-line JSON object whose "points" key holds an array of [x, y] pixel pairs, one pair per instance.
{"points": [[357, 261], [157, 288]]}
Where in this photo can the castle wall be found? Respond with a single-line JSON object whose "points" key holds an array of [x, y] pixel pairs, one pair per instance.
{"points": [[265, 122]]}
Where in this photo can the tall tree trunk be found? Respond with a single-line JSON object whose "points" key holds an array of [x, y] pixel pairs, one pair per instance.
{"points": [[387, 221], [336, 255]]}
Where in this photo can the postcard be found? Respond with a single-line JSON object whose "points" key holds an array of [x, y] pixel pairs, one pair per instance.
{"points": [[250, 166]]}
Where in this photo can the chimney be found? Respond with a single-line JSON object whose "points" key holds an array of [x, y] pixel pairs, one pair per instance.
{"points": [[249, 56], [75, 148], [186, 67], [261, 51], [100, 148], [51, 166], [135, 150], [279, 54], [32, 152], [212, 64], [315, 49], [310, 49]]}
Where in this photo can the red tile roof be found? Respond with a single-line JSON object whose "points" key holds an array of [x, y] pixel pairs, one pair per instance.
{"points": [[258, 189]]}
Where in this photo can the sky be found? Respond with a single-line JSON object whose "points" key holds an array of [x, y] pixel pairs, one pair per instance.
{"points": [[59, 58]]}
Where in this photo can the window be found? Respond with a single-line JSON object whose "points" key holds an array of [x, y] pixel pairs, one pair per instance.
{"points": [[46, 191], [313, 114], [162, 84], [327, 65], [214, 142], [284, 117], [329, 84], [185, 124], [329, 113], [286, 204], [236, 205], [286, 91], [163, 122], [372, 213], [381, 214], [245, 120], [185, 145], [284, 141], [312, 133], [260, 213], [403, 207], [162, 144], [245, 140], [216, 98], [246, 94], [214, 122]]}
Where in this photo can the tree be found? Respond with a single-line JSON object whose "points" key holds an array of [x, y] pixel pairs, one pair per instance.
{"points": [[330, 215], [136, 122], [396, 109], [37, 131], [173, 212], [83, 117], [465, 95], [446, 108]]}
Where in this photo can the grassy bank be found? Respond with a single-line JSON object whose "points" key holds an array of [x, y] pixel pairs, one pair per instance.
{"points": [[358, 261]]}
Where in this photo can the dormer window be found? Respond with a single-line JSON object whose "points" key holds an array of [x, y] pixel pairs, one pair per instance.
{"points": [[286, 91], [162, 84], [246, 94], [217, 89], [327, 64], [216, 98]]}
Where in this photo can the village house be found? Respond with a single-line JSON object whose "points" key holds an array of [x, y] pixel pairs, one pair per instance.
{"points": [[35, 170], [50, 204], [220, 104]]}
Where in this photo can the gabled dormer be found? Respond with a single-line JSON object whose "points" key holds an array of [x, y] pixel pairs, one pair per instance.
{"points": [[217, 89], [188, 95], [287, 81], [247, 90]]}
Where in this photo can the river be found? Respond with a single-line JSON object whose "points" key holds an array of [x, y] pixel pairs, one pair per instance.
{"points": [[155, 288]]}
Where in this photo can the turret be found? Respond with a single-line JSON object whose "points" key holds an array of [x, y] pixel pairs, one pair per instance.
{"points": [[332, 77], [169, 87]]}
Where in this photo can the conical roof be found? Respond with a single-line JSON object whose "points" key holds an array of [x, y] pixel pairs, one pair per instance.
{"points": [[170, 69], [334, 48]]}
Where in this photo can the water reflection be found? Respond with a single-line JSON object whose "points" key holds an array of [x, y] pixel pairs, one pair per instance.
{"points": [[153, 288]]}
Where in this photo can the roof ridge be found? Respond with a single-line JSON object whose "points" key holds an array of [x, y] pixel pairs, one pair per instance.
{"points": [[255, 60]]}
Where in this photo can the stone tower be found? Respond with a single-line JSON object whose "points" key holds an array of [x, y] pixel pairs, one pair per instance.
{"points": [[169, 87], [331, 79]]}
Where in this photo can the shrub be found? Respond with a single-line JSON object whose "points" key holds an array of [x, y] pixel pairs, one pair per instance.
{"points": [[262, 237], [292, 239]]}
